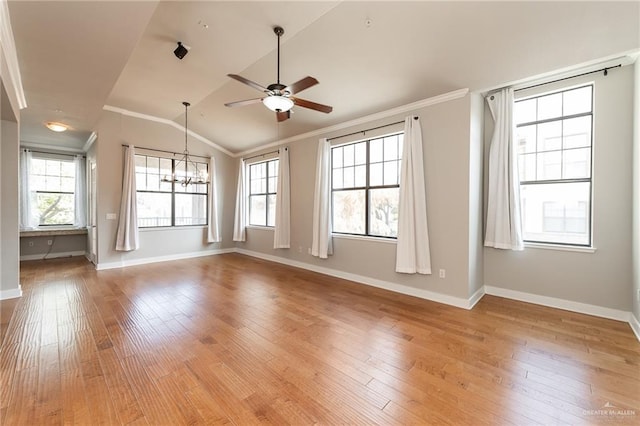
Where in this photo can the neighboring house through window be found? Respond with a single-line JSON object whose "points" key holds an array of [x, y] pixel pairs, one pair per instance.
{"points": [[365, 186], [554, 146]]}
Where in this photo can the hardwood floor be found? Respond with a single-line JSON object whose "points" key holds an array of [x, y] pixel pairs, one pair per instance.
{"points": [[230, 339]]}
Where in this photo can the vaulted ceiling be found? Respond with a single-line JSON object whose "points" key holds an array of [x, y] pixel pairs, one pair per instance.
{"points": [[76, 57]]}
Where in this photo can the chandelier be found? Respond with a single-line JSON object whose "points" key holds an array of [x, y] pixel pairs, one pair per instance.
{"points": [[186, 172]]}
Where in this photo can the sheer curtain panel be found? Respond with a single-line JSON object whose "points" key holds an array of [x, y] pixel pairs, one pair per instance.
{"points": [[412, 250], [321, 245], [27, 220], [240, 222], [281, 235], [504, 227], [127, 236], [80, 196], [213, 230]]}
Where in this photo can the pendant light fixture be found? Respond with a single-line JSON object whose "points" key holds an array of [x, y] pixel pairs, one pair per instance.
{"points": [[186, 172]]}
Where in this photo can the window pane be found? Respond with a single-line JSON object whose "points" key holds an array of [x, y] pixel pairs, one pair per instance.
{"points": [[390, 148], [273, 168], [383, 212], [550, 136], [361, 153], [526, 139], [52, 183], [337, 179], [576, 163], [549, 165], [153, 182], [191, 209], [576, 132], [271, 210], [349, 211], [55, 209], [165, 167], [154, 209], [556, 212], [550, 106], [391, 173], [38, 166], [52, 168], [527, 167], [400, 145], [67, 169], [348, 153], [577, 101], [361, 176], [258, 210], [375, 174], [337, 157], [349, 177], [375, 150], [141, 163], [153, 164], [525, 111], [67, 184], [141, 182], [273, 185]]}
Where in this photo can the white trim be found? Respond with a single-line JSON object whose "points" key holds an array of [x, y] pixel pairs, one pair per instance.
{"points": [[10, 55], [635, 325], [363, 120], [553, 302], [458, 302], [144, 261], [50, 148], [367, 238], [168, 122], [92, 138], [559, 247], [475, 297], [43, 256], [11, 294]]}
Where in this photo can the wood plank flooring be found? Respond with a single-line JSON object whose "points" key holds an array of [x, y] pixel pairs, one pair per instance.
{"points": [[234, 340]]}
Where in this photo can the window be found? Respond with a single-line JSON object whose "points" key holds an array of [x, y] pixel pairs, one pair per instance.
{"points": [[554, 146], [53, 181], [169, 203], [365, 186], [263, 182]]}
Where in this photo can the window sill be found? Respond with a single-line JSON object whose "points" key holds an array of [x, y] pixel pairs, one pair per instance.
{"points": [[48, 232], [363, 238], [578, 249], [264, 228], [171, 228]]}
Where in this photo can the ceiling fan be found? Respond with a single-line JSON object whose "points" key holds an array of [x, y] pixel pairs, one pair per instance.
{"points": [[279, 97]]}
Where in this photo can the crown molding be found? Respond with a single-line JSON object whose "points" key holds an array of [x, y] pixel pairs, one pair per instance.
{"points": [[92, 138], [167, 122], [10, 55], [449, 96]]}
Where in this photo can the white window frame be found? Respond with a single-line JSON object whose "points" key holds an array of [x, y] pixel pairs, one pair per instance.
{"points": [[37, 156], [268, 192]]}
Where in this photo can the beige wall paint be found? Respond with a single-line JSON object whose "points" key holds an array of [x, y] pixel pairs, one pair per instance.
{"points": [[10, 237], [602, 278], [476, 202], [115, 130], [635, 294], [446, 144]]}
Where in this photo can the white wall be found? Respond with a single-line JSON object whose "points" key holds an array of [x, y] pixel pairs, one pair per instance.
{"points": [[113, 131], [635, 294], [602, 278], [453, 207]]}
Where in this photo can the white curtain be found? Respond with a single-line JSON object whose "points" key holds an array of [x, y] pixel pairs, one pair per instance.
{"points": [[213, 230], [80, 219], [281, 235], [504, 228], [321, 245], [127, 236], [27, 219], [412, 251], [239, 224]]}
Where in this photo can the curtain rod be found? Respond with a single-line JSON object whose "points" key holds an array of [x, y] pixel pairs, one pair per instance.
{"points": [[166, 152], [605, 70], [369, 130], [53, 153], [262, 155]]}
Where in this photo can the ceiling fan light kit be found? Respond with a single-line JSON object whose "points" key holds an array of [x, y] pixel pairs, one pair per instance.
{"points": [[279, 97]]}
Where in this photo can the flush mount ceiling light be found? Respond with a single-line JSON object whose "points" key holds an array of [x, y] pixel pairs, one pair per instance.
{"points": [[278, 103], [56, 127]]}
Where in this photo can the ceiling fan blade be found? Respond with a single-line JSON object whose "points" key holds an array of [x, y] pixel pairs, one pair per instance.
{"points": [[283, 115], [301, 85], [245, 102], [253, 84], [312, 105]]}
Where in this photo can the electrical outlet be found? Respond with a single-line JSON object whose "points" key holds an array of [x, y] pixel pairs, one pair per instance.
{"points": [[49, 242], [443, 273]]}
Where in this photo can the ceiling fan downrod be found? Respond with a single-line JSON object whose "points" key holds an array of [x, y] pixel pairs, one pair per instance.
{"points": [[279, 31]]}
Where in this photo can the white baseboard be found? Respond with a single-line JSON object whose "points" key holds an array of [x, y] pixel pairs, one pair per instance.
{"points": [[553, 302], [458, 302], [635, 325], [52, 255], [11, 294], [144, 261]]}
